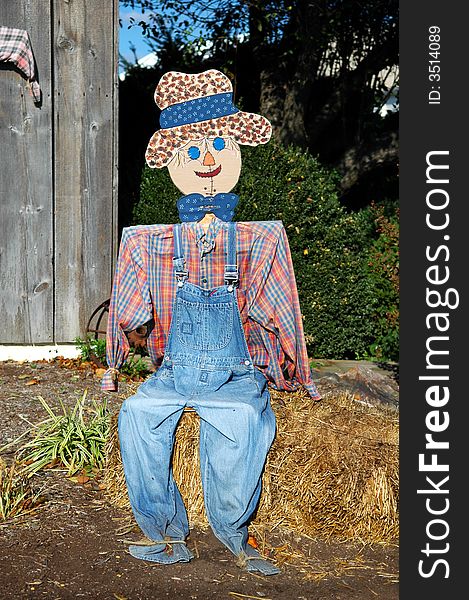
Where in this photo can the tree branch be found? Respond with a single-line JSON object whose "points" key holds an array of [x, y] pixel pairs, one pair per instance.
{"points": [[358, 161]]}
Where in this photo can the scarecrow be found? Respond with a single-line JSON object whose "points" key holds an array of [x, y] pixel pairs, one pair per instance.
{"points": [[225, 322]]}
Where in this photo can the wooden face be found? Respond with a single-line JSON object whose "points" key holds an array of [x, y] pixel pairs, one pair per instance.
{"points": [[207, 166]]}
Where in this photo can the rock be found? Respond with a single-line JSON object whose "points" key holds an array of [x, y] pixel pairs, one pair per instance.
{"points": [[365, 383]]}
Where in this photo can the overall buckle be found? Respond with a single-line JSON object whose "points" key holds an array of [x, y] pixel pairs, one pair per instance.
{"points": [[179, 270], [181, 277], [231, 276]]}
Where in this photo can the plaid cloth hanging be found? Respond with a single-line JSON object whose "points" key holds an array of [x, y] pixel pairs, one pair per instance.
{"points": [[15, 47]]}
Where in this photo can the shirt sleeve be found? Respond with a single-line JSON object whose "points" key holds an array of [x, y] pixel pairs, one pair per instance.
{"points": [[274, 304], [130, 305]]}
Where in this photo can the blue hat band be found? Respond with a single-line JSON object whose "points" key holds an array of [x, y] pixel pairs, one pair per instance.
{"points": [[200, 109]]}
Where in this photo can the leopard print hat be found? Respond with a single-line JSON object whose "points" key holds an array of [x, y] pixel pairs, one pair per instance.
{"points": [[195, 106]]}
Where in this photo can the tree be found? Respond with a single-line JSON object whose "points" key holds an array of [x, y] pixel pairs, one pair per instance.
{"points": [[320, 70]]}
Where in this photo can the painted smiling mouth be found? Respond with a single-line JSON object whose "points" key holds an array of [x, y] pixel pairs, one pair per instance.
{"points": [[208, 173]]}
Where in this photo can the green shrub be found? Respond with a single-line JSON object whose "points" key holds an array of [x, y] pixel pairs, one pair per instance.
{"points": [[158, 195], [384, 272], [91, 347], [330, 247]]}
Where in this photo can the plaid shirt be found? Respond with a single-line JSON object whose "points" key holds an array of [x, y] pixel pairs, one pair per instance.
{"points": [[15, 47], [144, 288]]}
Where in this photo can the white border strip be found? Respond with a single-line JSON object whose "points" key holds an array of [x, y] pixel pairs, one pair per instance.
{"points": [[31, 353]]}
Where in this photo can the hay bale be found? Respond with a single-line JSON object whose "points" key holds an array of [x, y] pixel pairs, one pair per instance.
{"points": [[332, 470]]}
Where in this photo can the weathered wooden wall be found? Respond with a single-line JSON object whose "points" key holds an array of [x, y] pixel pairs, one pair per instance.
{"points": [[26, 188], [58, 175]]}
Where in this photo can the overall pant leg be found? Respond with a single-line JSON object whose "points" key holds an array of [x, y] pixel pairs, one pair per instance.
{"points": [[237, 428], [146, 425]]}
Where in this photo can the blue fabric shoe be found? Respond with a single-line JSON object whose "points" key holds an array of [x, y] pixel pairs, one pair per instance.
{"points": [[166, 553], [253, 562]]}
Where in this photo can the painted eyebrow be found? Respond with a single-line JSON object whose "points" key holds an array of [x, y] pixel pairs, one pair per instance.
{"points": [[194, 143], [182, 152]]}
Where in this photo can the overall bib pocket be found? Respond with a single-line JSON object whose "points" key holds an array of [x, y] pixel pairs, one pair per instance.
{"points": [[204, 327]]}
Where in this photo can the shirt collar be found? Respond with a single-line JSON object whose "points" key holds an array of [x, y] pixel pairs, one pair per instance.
{"points": [[205, 240]]}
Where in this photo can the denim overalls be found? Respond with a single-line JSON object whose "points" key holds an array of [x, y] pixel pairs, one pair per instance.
{"points": [[206, 366]]}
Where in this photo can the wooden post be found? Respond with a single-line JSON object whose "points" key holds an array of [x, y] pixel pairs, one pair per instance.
{"points": [[85, 158]]}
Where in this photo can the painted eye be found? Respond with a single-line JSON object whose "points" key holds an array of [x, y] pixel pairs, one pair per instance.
{"points": [[193, 152], [218, 143]]}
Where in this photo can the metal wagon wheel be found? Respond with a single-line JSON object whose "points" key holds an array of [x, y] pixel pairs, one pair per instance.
{"points": [[137, 338], [95, 330], [101, 310]]}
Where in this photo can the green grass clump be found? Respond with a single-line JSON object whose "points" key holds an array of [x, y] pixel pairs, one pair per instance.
{"points": [[17, 497], [69, 439]]}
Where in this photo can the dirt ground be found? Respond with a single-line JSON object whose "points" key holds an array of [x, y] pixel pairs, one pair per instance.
{"points": [[72, 545]]}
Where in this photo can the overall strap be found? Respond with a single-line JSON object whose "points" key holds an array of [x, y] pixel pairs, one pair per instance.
{"points": [[231, 267], [179, 262]]}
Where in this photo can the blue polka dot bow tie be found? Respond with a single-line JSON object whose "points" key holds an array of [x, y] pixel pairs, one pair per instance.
{"points": [[194, 206]]}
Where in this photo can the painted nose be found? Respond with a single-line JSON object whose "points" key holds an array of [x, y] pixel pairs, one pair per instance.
{"points": [[209, 161]]}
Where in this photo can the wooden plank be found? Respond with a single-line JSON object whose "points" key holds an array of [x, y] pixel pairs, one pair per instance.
{"points": [[85, 88], [26, 261]]}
